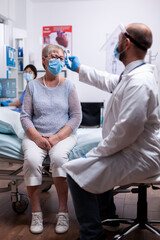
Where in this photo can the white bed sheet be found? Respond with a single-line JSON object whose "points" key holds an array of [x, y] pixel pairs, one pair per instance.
{"points": [[10, 145], [87, 139]]}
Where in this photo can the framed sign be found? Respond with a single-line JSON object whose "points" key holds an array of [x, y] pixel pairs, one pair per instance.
{"points": [[10, 57], [59, 35]]}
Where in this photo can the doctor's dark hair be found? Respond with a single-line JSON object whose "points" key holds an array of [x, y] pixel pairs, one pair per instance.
{"points": [[140, 35], [33, 68]]}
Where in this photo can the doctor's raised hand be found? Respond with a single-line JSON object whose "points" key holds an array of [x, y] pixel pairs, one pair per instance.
{"points": [[75, 64]]}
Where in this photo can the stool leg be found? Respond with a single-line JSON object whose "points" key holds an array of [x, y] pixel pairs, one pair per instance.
{"points": [[126, 231], [152, 229], [142, 205]]}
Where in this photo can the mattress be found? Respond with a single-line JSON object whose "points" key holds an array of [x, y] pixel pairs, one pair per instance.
{"points": [[10, 144], [87, 139]]}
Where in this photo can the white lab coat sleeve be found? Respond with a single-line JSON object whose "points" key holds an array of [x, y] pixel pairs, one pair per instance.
{"points": [[130, 124], [99, 79]]}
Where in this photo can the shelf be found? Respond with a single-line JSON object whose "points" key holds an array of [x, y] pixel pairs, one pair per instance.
{"points": [[20, 91], [22, 59], [13, 68]]}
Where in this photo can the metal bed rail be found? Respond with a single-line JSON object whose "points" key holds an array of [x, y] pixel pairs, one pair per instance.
{"points": [[16, 177]]}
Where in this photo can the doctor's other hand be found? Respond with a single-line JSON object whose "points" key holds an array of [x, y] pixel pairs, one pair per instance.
{"points": [[74, 63], [5, 103]]}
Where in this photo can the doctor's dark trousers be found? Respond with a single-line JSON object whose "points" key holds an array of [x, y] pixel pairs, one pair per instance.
{"points": [[90, 209]]}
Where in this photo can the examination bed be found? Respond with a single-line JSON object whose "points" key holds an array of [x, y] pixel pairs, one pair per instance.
{"points": [[11, 135]]}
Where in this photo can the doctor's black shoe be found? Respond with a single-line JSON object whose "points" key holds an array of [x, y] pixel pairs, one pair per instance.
{"points": [[101, 237], [111, 226]]}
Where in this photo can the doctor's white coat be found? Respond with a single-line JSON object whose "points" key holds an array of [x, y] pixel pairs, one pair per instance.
{"points": [[130, 149]]}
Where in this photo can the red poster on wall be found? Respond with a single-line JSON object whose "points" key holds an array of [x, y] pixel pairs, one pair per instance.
{"points": [[59, 35]]}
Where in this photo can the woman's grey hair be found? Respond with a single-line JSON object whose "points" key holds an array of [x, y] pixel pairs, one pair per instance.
{"points": [[51, 48]]}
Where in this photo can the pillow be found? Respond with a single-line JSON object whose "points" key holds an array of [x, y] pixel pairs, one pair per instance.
{"points": [[10, 122]]}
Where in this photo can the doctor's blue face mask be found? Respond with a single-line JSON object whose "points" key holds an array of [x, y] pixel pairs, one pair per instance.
{"points": [[55, 66], [28, 76], [116, 53]]}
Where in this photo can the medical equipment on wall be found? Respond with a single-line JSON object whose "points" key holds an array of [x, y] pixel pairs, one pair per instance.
{"points": [[7, 88], [150, 57]]}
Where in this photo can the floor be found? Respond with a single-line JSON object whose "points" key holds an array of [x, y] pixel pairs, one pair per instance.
{"points": [[15, 226]]}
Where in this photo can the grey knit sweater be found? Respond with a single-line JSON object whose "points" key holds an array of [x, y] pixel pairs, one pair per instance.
{"points": [[50, 109]]}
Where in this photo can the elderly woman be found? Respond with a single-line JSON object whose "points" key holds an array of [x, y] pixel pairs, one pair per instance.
{"points": [[50, 115]]}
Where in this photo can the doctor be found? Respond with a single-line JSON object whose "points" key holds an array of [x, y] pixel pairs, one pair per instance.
{"points": [[130, 149]]}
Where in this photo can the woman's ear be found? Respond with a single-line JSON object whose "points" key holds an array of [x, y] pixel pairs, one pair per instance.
{"points": [[44, 62]]}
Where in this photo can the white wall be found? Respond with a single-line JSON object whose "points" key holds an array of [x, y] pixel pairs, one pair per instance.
{"points": [[90, 21], [20, 14], [7, 9], [7, 13]]}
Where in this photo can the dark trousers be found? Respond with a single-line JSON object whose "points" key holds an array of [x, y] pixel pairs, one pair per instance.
{"points": [[89, 210], [106, 204]]}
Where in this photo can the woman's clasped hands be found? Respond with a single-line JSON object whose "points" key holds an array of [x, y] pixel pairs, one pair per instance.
{"points": [[52, 139]]}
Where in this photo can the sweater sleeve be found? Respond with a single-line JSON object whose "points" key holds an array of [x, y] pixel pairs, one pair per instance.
{"points": [[27, 110], [75, 113]]}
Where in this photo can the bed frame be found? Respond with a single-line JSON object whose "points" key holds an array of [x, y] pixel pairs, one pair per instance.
{"points": [[16, 177]]}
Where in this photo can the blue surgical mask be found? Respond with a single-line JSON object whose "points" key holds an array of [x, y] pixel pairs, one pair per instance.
{"points": [[116, 53], [55, 66], [28, 76]]}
